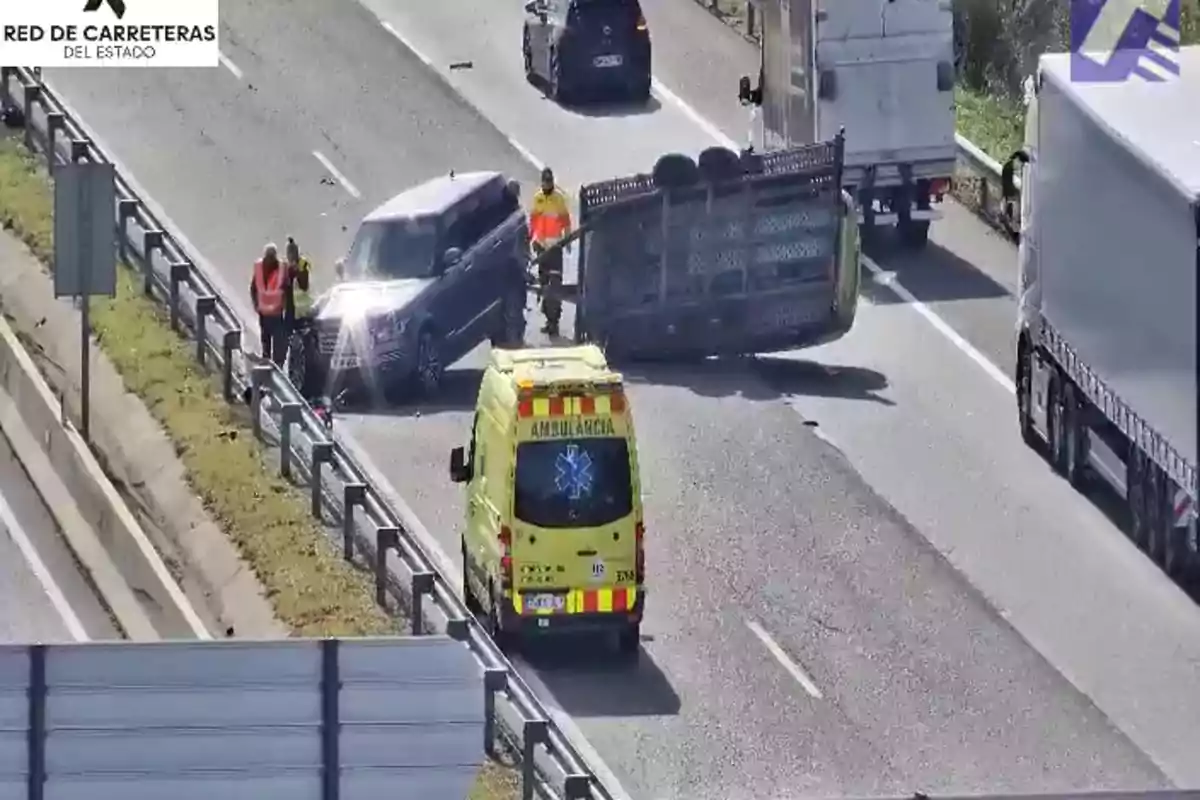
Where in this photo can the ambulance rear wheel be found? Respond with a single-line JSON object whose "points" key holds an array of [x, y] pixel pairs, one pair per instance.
{"points": [[629, 642], [504, 639], [430, 369], [469, 598]]}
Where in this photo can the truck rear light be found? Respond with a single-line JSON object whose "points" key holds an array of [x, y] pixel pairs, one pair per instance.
{"points": [[641, 23], [506, 564], [639, 535]]}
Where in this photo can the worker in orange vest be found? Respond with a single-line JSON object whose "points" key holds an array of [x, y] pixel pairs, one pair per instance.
{"points": [[268, 293], [549, 223]]}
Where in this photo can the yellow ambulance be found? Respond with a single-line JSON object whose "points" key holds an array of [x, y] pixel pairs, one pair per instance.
{"points": [[553, 538]]}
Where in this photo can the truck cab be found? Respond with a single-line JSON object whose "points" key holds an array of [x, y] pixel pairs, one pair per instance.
{"points": [[884, 71]]}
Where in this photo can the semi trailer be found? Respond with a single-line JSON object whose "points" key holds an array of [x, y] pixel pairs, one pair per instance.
{"points": [[1108, 256]]}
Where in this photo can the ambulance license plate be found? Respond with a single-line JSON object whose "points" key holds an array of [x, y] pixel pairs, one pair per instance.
{"points": [[544, 602], [608, 61]]}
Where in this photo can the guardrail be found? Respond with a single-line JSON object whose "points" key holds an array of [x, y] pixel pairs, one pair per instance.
{"points": [[977, 181], [340, 486]]}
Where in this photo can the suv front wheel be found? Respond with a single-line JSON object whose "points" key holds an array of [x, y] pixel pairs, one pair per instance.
{"points": [[429, 370]]}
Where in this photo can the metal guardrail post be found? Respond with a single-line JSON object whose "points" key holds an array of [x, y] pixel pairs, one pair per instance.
{"points": [[322, 453], [206, 306], [494, 680], [577, 787], [387, 538], [30, 97], [178, 274], [6, 74], [55, 122], [231, 343], [126, 209], [353, 495], [331, 720], [260, 378], [36, 744], [151, 241], [458, 629], [422, 585], [289, 415], [750, 20], [536, 732], [79, 152]]}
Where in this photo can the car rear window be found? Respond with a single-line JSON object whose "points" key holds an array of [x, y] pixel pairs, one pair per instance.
{"points": [[573, 483], [618, 11]]}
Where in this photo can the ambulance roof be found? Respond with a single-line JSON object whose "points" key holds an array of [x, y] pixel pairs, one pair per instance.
{"points": [[545, 366]]}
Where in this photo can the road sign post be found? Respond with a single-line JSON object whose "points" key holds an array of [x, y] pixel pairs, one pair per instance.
{"points": [[85, 260]]}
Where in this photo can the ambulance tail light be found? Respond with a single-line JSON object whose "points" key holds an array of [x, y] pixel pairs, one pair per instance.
{"points": [[506, 563], [639, 536]]}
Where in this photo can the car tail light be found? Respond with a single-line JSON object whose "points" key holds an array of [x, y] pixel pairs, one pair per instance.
{"points": [[506, 564], [639, 535]]}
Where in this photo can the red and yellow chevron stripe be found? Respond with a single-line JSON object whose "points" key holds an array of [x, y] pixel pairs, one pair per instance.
{"points": [[560, 406]]}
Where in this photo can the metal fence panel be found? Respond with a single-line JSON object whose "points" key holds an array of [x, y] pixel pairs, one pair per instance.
{"points": [[235, 719]]}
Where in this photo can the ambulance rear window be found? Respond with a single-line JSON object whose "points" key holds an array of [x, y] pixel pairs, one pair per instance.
{"points": [[573, 483]]}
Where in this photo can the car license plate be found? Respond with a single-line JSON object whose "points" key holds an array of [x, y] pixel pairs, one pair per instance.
{"points": [[608, 61], [544, 602]]}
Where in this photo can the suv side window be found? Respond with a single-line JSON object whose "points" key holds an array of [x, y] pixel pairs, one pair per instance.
{"points": [[479, 215]]}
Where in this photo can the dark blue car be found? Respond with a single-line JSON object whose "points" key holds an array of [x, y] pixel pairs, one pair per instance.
{"points": [[431, 274]]}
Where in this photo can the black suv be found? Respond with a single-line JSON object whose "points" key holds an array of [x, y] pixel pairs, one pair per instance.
{"points": [[587, 47], [431, 274]]}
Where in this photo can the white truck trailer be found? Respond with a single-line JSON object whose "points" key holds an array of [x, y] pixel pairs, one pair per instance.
{"points": [[884, 71], [1109, 251]]}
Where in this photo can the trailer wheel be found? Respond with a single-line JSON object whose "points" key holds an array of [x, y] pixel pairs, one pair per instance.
{"points": [[914, 233], [1025, 394], [1156, 520], [1175, 556], [1075, 439], [1136, 496], [1054, 425]]}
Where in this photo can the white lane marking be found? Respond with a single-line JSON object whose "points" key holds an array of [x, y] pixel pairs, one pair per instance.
{"points": [[881, 276], [784, 659], [229, 65], [404, 40], [38, 567], [337, 175]]}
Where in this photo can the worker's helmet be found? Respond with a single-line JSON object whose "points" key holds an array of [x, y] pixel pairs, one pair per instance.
{"points": [[270, 251], [547, 175]]}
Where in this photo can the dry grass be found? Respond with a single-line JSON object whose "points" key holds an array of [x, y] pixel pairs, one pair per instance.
{"points": [[313, 590]]}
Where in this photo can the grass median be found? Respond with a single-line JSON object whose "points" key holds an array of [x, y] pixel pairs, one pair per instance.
{"points": [[313, 590]]}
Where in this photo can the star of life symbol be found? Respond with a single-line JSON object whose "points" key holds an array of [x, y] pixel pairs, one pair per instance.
{"points": [[1114, 39], [573, 472]]}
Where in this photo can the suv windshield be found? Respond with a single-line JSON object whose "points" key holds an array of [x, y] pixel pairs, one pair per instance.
{"points": [[573, 483], [394, 249]]}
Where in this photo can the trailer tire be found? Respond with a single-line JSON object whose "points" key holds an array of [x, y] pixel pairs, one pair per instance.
{"points": [[1025, 393], [1075, 441], [1054, 425], [1156, 520], [1135, 496], [1175, 556], [914, 233]]}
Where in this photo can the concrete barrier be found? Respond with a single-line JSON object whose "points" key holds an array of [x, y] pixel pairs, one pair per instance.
{"points": [[112, 548]]}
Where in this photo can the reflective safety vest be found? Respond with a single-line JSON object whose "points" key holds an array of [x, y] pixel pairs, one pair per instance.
{"points": [[550, 217], [269, 295], [302, 301]]}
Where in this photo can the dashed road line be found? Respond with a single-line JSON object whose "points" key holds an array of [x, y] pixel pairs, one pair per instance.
{"points": [[784, 659], [232, 67], [350, 188]]}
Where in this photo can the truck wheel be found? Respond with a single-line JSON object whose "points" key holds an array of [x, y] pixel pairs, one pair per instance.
{"points": [[1054, 425], [1156, 525], [1075, 444], [558, 84], [527, 56], [1135, 497], [1025, 395], [1175, 555], [629, 642]]}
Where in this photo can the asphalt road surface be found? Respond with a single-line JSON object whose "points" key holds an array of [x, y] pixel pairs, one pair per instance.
{"points": [[43, 598], [823, 619]]}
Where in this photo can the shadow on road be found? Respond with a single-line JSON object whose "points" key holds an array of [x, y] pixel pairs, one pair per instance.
{"points": [[588, 681], [795, 377], [933, 275], [615, 109], [458, 392]]}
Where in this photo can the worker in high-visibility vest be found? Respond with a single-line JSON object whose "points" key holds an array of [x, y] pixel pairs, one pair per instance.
{"points": [[302, 335], [549, 223], [268, 293]]}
